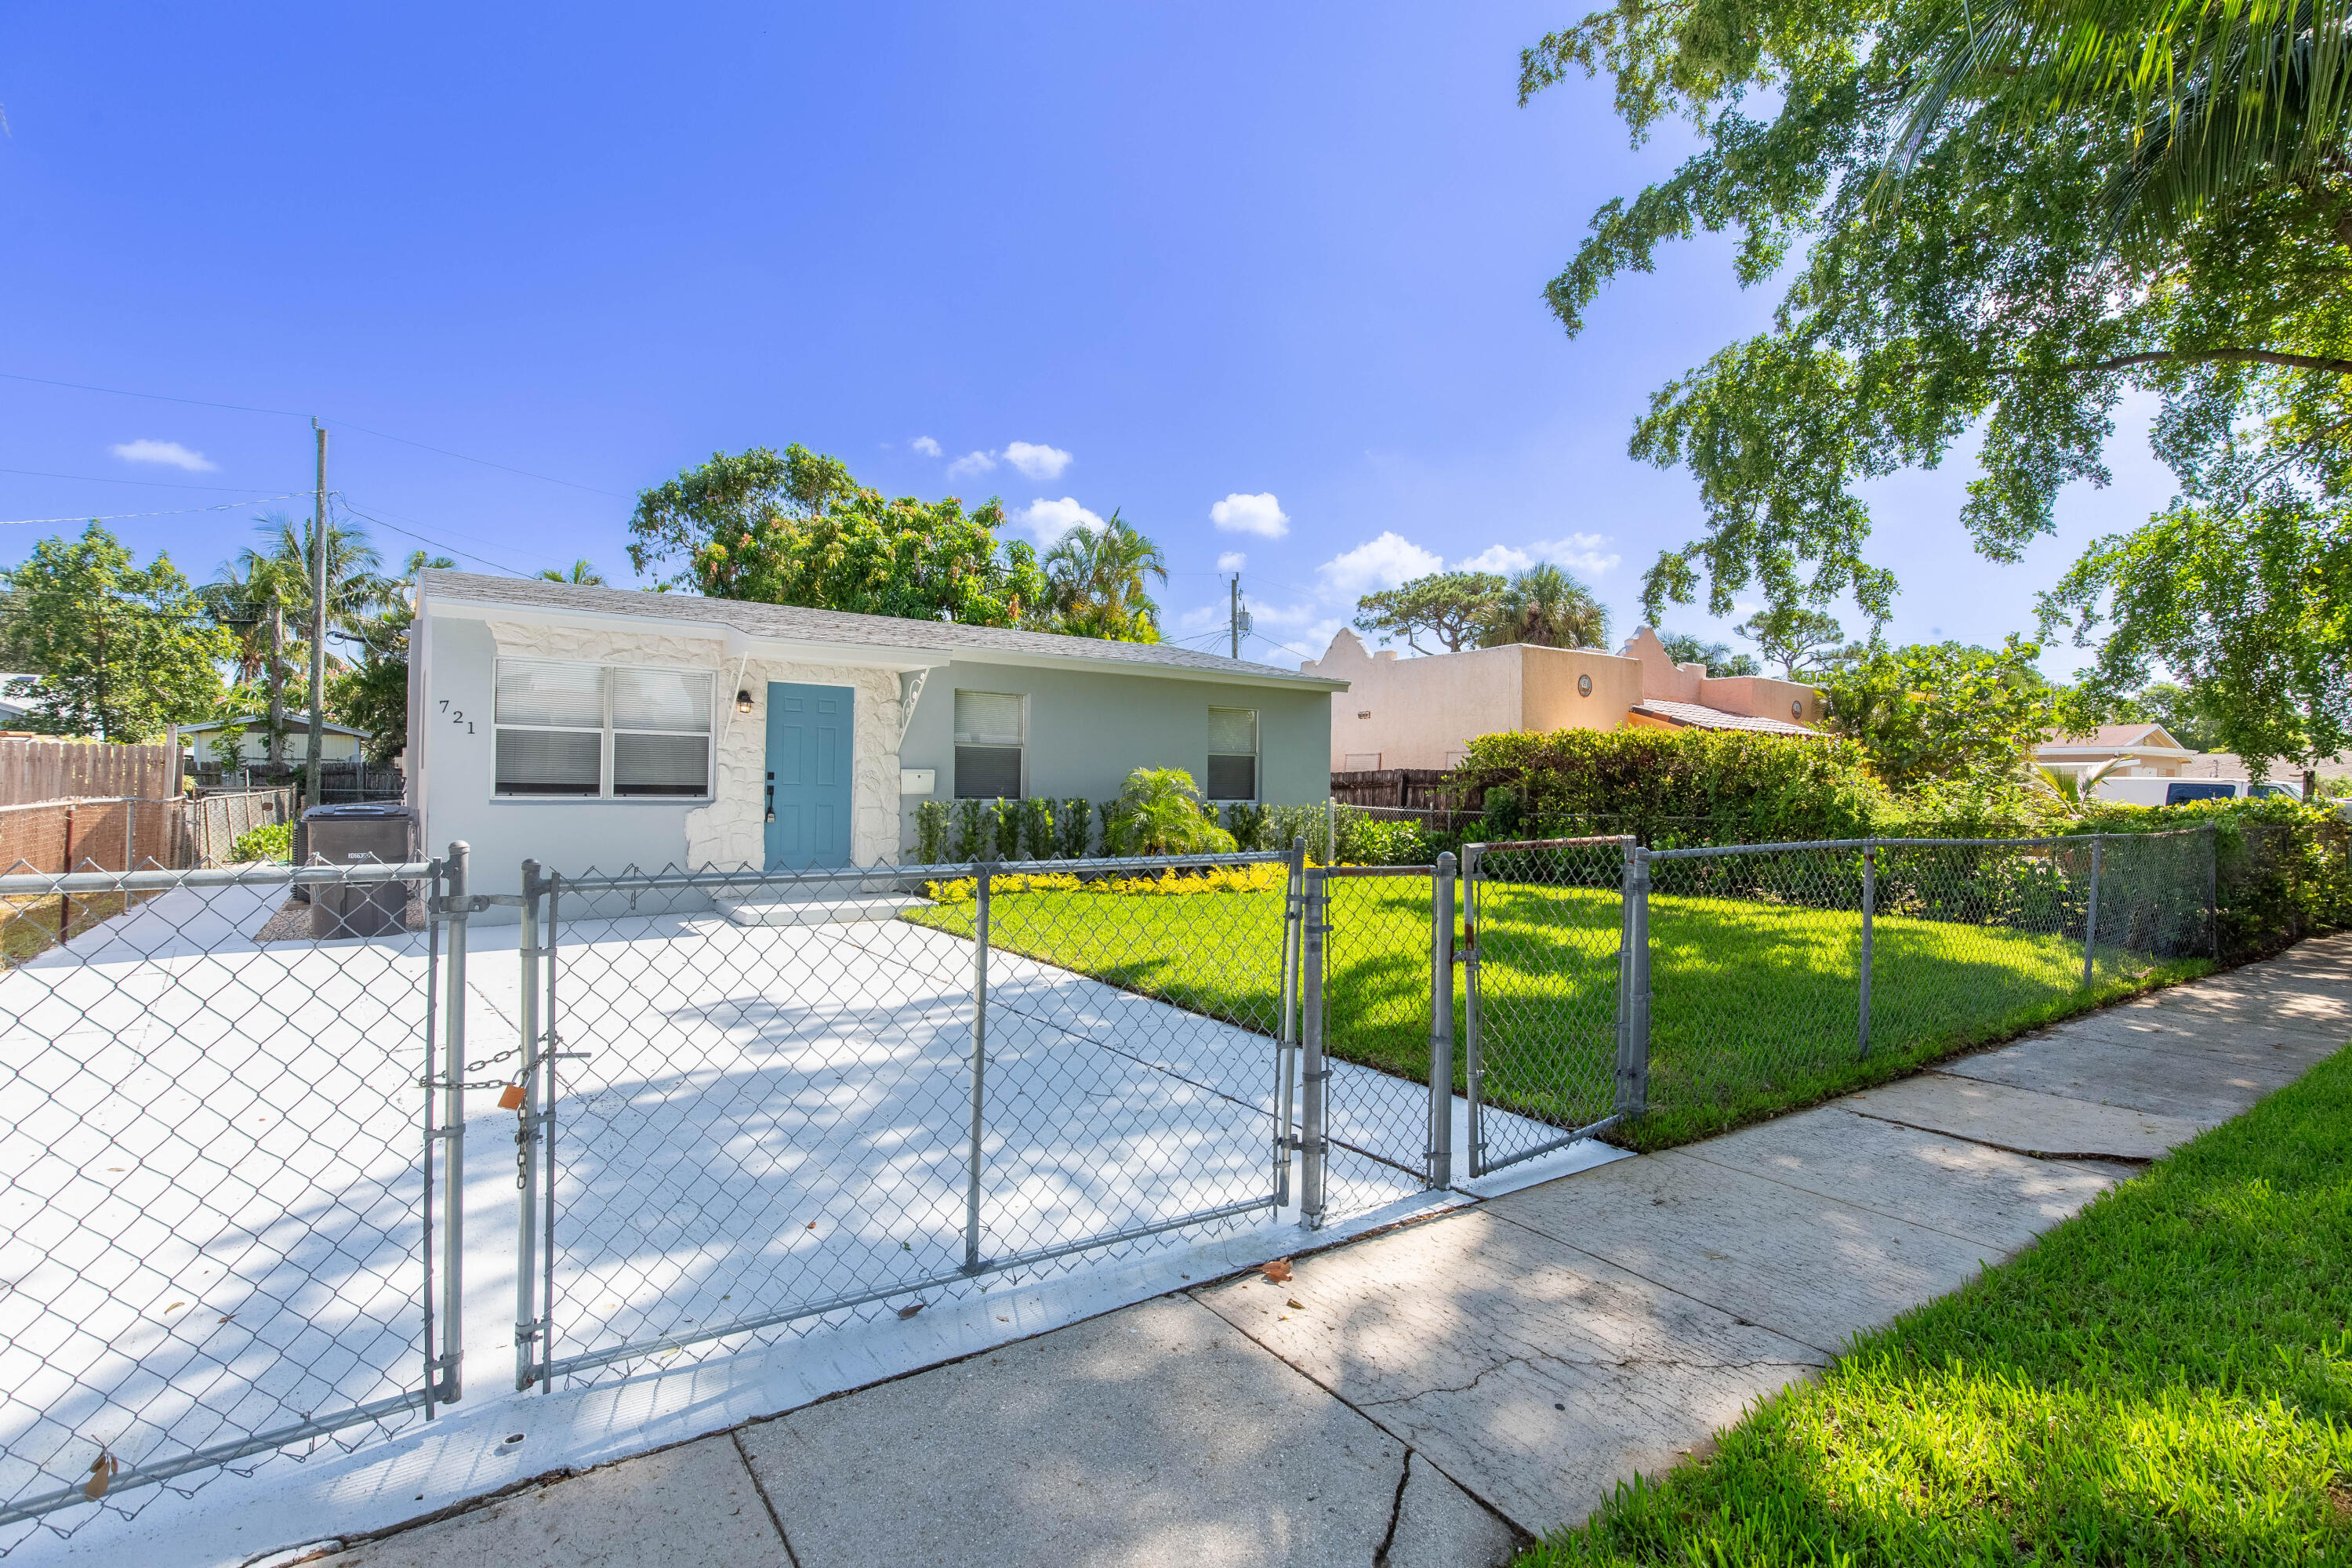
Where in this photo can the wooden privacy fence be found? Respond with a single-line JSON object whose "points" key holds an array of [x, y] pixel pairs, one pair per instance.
{"points": [[1417, 789], [35, 772], [124, 834]]}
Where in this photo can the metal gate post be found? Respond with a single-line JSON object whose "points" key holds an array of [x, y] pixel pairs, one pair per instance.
{"points": [[2213, 889], [1286, 1135], [453, 1126], [2091, 916], [528, 1320], [1312, 906], [1869, 911], [1474, 1070], [1441, 1025], [1634, 986], [972, 1260]]}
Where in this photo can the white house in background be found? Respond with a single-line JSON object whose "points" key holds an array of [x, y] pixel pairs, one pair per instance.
{"points": [[2147, 752], [340, 743], [607, 728]]}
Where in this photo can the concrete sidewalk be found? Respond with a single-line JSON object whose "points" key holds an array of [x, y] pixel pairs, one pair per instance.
{"points": [[1443, 1392]]}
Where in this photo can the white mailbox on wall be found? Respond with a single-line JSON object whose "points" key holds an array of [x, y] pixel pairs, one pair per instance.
{"points": [[917, 781]]}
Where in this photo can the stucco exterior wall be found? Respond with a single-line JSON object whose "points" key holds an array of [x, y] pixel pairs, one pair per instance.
{"points": [[1088, 730], [1415, 712], [1764, 697], [455, 780], [1553, 700]]}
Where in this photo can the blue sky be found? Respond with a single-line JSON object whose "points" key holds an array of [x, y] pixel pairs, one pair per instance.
{"points": [[1265, 279]]}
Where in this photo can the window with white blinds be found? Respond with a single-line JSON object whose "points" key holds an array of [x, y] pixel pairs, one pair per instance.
{"points": [[1233, 753], [989, 737], [602, 731]]}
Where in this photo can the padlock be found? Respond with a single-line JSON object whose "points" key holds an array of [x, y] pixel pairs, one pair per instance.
{"points": [[511, 1098]]}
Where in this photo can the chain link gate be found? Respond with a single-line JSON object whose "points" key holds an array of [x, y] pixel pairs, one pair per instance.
{"points": [[1556, 993], [226, 1143], [1377, 1065], [752, 1102]]}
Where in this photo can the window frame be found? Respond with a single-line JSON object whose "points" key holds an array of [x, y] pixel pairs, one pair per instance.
{"points": [[957, 747], [606, 732], [1256, 754]]}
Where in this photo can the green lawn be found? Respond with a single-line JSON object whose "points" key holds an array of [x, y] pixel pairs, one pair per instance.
{"points": [[1754, 1007], [2165, 1378]]}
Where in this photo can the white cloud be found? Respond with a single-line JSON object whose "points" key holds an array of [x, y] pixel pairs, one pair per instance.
{"points": [[1034, 461], [971, 463], [1049, 519], [1381, 563], [1232, 560], [926, 445], [167, 452], [1578, 553], [1259, 514]]}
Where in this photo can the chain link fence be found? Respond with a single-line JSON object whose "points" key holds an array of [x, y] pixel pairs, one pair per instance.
{"points": [[215, 1178], [753, 1104]]}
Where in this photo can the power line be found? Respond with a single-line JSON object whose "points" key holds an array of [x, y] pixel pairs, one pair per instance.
{"points": [[152, 484], [151, 397], [526, 473], [120, 516], [289, 413], [421, 539]]}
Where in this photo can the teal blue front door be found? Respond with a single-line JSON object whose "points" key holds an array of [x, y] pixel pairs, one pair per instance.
{"points": [[808, 775]]}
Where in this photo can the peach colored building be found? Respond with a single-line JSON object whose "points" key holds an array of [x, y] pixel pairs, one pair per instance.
{"points": [[1421, 712]]}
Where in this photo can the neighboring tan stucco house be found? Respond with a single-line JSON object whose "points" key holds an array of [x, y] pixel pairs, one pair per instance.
{"points": [[2148, 751], [607, 728], [1423, 712]]}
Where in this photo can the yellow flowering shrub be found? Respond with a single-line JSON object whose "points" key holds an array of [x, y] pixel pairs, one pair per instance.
{"points": [[1265, 877]]}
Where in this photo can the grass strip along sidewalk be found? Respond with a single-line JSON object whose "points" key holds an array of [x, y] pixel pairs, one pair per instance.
{"points": [[1755, 1008], [2165, 1378]]}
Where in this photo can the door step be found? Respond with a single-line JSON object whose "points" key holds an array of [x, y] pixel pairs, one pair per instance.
{"points": [[766, 911]]}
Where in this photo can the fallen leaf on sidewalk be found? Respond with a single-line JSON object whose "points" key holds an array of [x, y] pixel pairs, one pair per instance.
{"points": [[101, 1476], [1276, 1272], [1296, 1305], [910, 1312]]}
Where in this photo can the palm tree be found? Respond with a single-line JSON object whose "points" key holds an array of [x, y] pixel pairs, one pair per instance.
{"points": [[581, 574], [1097, 576], [263, 589], [1546, 607], [2217, 102]]}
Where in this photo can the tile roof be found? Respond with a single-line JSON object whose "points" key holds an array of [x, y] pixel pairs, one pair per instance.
{"points": [[794, 621], [1698, 716], [2121, 735]]}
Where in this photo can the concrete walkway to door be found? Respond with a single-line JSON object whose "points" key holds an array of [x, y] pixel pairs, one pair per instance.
{"points": [[1442, 1392]]}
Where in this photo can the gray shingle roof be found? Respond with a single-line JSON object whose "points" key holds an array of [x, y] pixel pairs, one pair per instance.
{"points": [[793, 622]]}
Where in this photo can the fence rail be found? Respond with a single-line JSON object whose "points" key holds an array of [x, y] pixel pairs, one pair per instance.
{"points": [[218, 1176], [752, 1105]]}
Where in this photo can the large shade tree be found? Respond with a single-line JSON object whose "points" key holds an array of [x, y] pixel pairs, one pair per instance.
{"points": [[2003, 220], [1452, 609], [793, 528], [121, 649]]}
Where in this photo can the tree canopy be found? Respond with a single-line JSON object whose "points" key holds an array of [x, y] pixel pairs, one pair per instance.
{"points": [[1548, 607], [121, 649], [1096, 576], [796, 528], [2002, 221], [1454, 609], [1717, 657], [1792, 636], [1937, 712]]}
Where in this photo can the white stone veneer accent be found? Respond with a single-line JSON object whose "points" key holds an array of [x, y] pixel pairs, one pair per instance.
{"points": [[729, 833]]}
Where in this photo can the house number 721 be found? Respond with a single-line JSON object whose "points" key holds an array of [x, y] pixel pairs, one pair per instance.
{"points": [[457, 715]]}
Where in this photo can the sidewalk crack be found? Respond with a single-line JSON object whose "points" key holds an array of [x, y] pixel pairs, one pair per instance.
{"points": [[760, 1487], [1396, 1512], [2005, 1148], [1598, 1362]]}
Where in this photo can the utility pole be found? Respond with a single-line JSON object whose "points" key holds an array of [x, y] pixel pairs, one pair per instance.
{"points": [[1238, 619], [317, 624]]}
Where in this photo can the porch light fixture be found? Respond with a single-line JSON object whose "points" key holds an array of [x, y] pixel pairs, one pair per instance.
{"points": [[743, 702]]}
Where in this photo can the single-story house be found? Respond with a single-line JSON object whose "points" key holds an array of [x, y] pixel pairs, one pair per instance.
{"points": [[1423, 712], [607, 728], [338, 743], [2148, 751]]}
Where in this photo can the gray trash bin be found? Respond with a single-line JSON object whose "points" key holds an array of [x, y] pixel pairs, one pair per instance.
{"points": [[363, 832]]}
